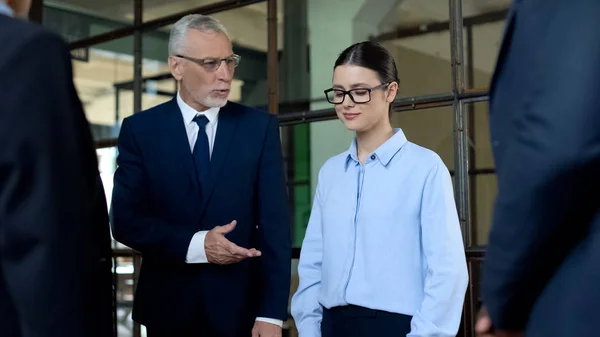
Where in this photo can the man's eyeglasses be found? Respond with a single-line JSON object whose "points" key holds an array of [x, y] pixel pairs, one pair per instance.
{"points": [[357, 95], [213, 63]]}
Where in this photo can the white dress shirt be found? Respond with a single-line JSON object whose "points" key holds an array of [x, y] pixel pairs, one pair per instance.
{"points": [[196, 252]]}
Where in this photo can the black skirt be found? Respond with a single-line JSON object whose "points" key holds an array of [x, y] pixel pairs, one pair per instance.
{"points": [[355, 321]]}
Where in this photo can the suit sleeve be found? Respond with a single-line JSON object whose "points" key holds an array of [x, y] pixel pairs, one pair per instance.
{"points": [[274, 235], [549, 176], [133, 221], [48, 175]]}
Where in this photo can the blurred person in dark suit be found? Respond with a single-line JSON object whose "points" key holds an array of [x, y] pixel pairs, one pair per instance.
{"points": [[55, 269], [542, 271]]}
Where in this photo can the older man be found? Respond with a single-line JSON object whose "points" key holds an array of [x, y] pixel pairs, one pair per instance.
{"points": [[55, 275], [200, 192]]}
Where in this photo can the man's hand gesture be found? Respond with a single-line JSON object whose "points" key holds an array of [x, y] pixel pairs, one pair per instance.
{"points": [[219, 250]]}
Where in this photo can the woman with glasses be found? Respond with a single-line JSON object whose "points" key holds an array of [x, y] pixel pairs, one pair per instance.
{"points": [[383, 252]]}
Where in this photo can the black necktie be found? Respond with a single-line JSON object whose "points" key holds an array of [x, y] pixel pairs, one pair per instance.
{"points": [[201, 151]]}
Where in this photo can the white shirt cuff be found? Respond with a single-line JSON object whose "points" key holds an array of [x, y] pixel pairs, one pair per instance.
{"points": [[277, 322], [196, 253]]}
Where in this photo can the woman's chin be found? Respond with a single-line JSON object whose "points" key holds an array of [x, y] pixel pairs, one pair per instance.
{"points": [[352, 125], [355, 127]]}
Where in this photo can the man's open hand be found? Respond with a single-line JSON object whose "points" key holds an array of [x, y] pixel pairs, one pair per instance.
{"points": [[219, 250]]}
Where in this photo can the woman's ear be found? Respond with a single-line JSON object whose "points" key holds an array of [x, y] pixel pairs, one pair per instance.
{"points": [[392, 92]]}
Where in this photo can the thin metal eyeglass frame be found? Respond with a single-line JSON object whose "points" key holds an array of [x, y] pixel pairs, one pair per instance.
{"points": [[202, 62]]}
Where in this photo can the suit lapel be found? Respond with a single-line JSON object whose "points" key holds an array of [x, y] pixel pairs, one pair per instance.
{"points": [[225, 132], [510, 17], [176, 133]]}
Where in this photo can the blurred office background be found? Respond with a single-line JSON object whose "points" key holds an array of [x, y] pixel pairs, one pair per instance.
{"points": [[445, 51]]}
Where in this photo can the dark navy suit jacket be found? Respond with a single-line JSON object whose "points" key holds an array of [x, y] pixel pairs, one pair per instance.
{"points": [[55, 255], [542, 269], [158, 207]]}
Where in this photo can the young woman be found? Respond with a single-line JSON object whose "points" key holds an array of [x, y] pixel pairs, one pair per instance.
{"points": [[383, 252]]}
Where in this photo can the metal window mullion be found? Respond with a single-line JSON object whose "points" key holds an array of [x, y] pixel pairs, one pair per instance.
{"points": [[461, 145], [137, 107]]}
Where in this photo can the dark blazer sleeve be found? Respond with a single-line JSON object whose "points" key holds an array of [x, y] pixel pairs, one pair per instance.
{"points": [[548, 176], [133, 222], [273, 228], [49, 255]]}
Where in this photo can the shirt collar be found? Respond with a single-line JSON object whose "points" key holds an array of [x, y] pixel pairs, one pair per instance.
{"points": [[5, 10], [189, 113], [384, 153]]}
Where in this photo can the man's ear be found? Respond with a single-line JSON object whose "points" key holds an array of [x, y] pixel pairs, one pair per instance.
{"points": [[176, 67]]}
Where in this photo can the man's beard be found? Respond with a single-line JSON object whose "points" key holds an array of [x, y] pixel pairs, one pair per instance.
{"points": [[212, 102]]}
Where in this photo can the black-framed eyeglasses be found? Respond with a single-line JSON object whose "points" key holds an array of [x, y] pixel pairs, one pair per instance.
{"points": [[357, 95], [213, 63]]}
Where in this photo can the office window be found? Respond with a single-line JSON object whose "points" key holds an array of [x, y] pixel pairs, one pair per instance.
{"points": [[80, 19], [483, 26]]}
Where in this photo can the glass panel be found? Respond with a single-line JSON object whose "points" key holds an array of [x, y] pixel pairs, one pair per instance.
{"points": [[483, 30], [107, 164], [79, 19], [480, 135], [482, 179], [158, 86], [294, 64], [124, 286], [422, 55], [295, 141], [156, 92], [122, 263], [95, 79], [485, 188], [430, 128], [247, 29]]}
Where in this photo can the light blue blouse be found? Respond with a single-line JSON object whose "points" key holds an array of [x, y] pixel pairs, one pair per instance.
{"points": [[384, 235]]}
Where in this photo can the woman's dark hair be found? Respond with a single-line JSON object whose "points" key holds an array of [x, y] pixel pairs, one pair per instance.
{"points": [[373, 56]]}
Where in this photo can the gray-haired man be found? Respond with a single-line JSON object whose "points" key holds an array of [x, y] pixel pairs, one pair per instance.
{"points": [[191, 172]]}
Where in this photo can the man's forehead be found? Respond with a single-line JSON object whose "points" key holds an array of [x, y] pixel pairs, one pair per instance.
{"points": [[208, 44]]}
